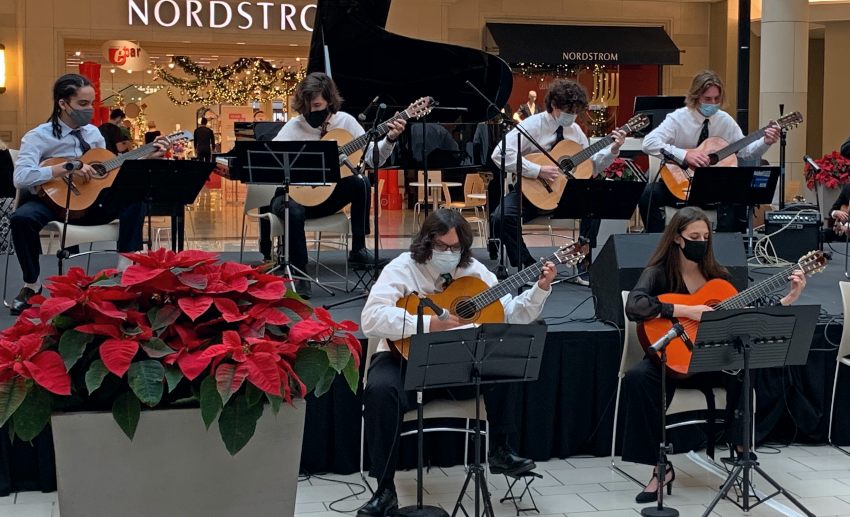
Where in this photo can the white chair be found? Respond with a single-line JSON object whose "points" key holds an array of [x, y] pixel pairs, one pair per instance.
{"points": [[685, 400], [433, 177], [842, 358], [478, 221], [256, 196], [456, 409], [337, 223]]}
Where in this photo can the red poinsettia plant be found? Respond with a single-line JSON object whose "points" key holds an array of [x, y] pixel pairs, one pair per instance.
{"points": [[620, 169], [173, 329], [834, 171]]}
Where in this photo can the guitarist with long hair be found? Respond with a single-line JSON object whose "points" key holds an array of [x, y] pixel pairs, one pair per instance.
{"points": [[682, 132], [682, 263], [440, 252], [68, 133]]}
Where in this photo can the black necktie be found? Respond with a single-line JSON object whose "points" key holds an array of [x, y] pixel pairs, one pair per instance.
{"points": [[84, 146], [559, 134], [703, 134]]}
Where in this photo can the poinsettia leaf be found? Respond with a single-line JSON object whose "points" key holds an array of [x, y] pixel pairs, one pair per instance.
{"points": [[156, 348], [63, 322], [12, 394], [308, 330], [173, 376], [117, 354], [162, 317], [253, 395], [352, 375], [338, 356], [145, 379], [95, 375], [274, 402], [192, 364], [310, 365], [48, 371], [195, 307], [324, 384], [263, 372], [126, 411], [72, 344], [229, 378], [111, 281], [33, 414], [210, 401], [194, 280], [138, 274], [238, 422], [53, 307]]}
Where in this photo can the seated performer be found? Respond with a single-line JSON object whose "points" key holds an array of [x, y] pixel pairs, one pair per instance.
{"points": [[318, 101], [438, 253], [839, 208], [564, 102], [684, 130], [67, 134], [682, 263]]}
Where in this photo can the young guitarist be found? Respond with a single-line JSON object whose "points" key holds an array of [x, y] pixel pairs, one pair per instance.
{"points": [[682, 263], [318, 101], [67, 133], [564, 102], [440, 252], [686, 128], [839, 208]]}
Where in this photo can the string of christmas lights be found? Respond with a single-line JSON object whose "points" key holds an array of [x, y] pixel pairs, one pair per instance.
{"points": [[244, 81]]}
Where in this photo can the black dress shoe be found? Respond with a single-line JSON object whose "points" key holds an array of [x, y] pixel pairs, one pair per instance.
{"points": [[22, 301], [383, 504], [493, 249], [304, 288], [364, 257], [503, 460], [645, 497]]}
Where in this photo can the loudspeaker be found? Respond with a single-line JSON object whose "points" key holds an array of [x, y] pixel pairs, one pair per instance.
{"points": [[800, 237], [623, 258]]}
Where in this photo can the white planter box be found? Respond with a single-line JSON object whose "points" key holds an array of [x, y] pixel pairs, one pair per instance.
{"points": [[174, 467]]}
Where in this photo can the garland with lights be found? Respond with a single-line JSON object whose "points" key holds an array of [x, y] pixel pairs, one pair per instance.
{"points": [[244, 81]]}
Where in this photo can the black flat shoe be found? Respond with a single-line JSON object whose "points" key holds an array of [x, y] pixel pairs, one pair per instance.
{"points": [[384, 503], [364, 257], [503, 460], [650, 497], [22, 301]]}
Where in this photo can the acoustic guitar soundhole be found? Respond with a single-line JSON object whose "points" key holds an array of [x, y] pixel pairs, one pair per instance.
{"points": [[99, 170], [465, 309]]}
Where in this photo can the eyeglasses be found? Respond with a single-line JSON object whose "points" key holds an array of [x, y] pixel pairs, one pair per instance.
{"points": [[442, 246]]}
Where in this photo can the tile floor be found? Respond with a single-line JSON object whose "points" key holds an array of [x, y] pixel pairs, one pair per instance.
{"points": [[818, 475]]}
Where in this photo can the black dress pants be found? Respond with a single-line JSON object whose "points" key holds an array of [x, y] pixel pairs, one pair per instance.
{"points": [[386, 402], [509, 223], [641, 404], [354, 190]]}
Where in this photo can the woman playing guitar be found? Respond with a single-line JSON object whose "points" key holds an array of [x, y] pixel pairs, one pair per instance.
{"points": [[682, 263]]}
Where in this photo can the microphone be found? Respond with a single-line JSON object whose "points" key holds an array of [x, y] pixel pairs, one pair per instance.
{"points": [[811, 163], [665, 340], [670, 158], [73, 165], [442, 314], [362, 117]]}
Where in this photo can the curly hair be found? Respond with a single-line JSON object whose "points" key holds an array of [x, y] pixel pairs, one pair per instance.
{"points": [[702, 82], [566, 95], [314, 84], [438, 223]]}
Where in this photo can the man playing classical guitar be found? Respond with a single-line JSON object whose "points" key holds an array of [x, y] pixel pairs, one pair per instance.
{"points": [[564, 101], [67, 134], [440, 252], [684, 130], [318, 101], [839, 209]]}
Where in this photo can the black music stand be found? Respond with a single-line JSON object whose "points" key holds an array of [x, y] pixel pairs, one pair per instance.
{"points": [[311, 163], [745, 339], [169, 184], [491, 353]]}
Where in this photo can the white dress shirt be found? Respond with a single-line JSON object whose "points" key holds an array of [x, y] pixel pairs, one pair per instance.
{"points": [[40, 143], [382, 319], [680, 131], [542, 127], [298, 129]]}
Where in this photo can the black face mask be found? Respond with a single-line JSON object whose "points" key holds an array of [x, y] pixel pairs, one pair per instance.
{"points": [[316, 118], [694, 251]]}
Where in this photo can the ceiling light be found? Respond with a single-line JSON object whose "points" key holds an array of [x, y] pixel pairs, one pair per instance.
{"points": [[77, 53]]}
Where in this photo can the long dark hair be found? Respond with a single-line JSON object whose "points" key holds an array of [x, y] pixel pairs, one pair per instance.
{"points": [[314, 84], [668, 257], [439, 222], [63, 89]]}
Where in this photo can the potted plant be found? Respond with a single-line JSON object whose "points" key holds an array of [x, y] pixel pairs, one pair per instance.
{"points": [[620, 170], [834, 172], [202, 341]]}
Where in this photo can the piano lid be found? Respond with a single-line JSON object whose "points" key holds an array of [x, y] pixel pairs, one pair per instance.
{"points": [[366, 61]]}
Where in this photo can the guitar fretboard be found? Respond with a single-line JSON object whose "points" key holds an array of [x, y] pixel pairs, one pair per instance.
{"points": [[734, 147], [510, 284], [363, 140], [135, 154], [748, 296], [580, 157]]}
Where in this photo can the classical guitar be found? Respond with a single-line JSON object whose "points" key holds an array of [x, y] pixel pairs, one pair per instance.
{"points": [[105, 165], [841, 228], [473, 301], [351, 150], [720, 153], [721, 295], [573, 159]]}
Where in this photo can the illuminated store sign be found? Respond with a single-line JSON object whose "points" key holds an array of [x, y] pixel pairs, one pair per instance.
{"points": [[217, 14]]}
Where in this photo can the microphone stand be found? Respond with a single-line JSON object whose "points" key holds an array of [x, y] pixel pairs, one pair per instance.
{"points": [[376, 198], [782, 143]]}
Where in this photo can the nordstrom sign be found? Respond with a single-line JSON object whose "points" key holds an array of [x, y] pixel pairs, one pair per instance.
{"points": [[217, 14]]}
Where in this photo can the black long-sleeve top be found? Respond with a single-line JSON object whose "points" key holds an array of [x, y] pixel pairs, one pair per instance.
{"points": [[642, 303]]}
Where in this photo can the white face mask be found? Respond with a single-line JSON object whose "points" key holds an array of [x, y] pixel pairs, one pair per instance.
{"points": [[566, 119], [445, 261]]}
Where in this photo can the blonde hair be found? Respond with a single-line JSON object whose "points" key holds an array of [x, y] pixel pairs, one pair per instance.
{"points": [[702, 82]]}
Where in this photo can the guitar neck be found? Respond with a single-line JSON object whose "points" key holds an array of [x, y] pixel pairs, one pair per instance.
{"points": [[135, 154], [581, 156], [734, 147], [748, 296], [363, 140], [510, 284]]}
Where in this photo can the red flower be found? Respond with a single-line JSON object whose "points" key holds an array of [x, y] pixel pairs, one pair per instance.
{"points": [[25, 358], [260, 358]]}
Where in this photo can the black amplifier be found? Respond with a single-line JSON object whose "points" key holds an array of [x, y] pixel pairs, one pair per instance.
{"points": [[800, 237]]}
